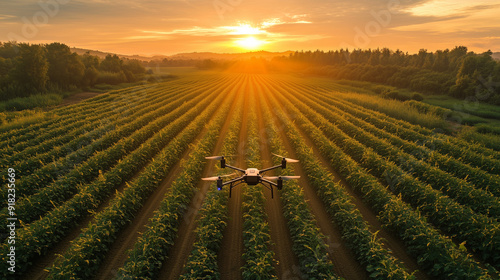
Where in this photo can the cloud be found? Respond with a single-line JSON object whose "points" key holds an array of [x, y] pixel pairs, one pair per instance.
{"points": [[169, 26]]}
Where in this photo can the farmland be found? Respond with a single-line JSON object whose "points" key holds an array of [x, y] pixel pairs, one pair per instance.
{"points": [[110, 188]]}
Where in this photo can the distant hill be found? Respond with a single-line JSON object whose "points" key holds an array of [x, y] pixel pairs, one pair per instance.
{"points": [[496, 55], [104, 54], [194, 55], [228, 56]]}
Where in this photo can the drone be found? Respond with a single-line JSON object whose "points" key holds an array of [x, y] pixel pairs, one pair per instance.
{"points": [[252, 176]]}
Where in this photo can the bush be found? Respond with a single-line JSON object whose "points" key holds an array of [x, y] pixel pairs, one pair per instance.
{"points": [[111, 78], [417, 97], [33, 101], [394, 95]]}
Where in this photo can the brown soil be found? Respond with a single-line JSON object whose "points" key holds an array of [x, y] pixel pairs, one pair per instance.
{"points": [[118, 253], [390, 241], [173, 265], [280, 236], [344, 261], [77, 97], [229, 257]]}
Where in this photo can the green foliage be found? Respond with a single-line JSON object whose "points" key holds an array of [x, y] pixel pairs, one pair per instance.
{"points": [[108, 150], [65, 68], [454, 72], [443, 250], [111, 78], [147, 256], [30, 102], [202, 261], [38, 69], [31, 69]]}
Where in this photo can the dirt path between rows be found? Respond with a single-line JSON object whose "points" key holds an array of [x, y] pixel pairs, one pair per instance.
{"points": [[109, 268], [118, 253], [77, 98], [344, 261], [183, 244], [229, 257], [390, 241], [288, 263]]}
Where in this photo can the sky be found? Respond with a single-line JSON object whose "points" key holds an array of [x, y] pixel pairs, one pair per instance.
{"points": [[152, 27]]}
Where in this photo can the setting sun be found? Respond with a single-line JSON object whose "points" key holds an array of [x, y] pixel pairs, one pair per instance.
{"points": [[249, 43]]}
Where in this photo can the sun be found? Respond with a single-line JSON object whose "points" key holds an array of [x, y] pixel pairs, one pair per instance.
{"points": [[249, 43]]}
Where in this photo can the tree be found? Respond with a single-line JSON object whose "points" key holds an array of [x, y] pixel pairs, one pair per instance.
{"points": [[31, 68], [112, 63], [65, 68]]}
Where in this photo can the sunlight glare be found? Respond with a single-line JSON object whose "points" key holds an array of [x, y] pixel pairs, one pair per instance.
{"points": [[249, 43], [244, 29]]}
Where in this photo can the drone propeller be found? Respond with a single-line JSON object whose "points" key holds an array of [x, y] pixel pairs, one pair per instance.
{"points": [[284, 178], [287, 159], [215, 178], [218, 157]]}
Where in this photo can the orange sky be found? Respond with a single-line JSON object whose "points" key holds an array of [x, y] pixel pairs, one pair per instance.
{"points": [[150, 27]]}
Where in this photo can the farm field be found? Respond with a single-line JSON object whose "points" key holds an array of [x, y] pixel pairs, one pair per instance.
{"points": [[110, 188]]}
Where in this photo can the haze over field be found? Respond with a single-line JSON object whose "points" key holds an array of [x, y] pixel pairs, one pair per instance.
{"points": [[168, 27]]}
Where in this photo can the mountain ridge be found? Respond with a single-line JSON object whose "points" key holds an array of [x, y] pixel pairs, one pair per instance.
{"points": [[187, 56]]}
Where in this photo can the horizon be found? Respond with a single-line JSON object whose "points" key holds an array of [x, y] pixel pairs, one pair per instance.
{"points": [[235, 26]]}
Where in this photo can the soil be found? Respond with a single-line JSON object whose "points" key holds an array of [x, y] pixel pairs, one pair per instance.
{"points": [[77, 97]]}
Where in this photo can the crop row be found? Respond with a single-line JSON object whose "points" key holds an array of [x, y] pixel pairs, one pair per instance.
{"points": [[213, 216], [258, 256], [53, 137], [152, 248], [308, 241], [42, 177], [37, 137], [44, 233], [438, 255], [423, 131], [36, 205], [55, 120], [61, 116], [435, 141], [28, 164], [368, 249], [50, 172], [87, 252], [482, 234], [340, 129], [430, 154], [474, 175]]}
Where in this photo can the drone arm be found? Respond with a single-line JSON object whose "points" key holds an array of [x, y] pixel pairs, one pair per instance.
{"points": [[270, 168], [269, 182], [235, 168], [233, 181]]}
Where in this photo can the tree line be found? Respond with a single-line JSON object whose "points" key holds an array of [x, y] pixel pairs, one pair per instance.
{"points": [[27, 69], [457, 72]]}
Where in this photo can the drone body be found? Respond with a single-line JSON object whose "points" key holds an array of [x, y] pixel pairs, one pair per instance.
{"points": [[252, 176]]}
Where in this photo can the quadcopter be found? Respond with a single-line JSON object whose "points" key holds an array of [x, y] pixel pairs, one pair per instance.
{"points": [[252, 176]]}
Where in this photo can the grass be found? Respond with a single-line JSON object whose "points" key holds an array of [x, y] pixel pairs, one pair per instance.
{"points": [[31, 102], [479, 109], [434, 109], [396, 109]]}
